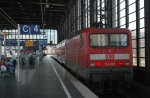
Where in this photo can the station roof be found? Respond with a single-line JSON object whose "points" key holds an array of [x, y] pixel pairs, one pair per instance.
{"points": [[46, 13]]}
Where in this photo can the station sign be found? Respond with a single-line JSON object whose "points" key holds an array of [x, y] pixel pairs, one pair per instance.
{"points": [[22, 43], [43, 42], [14, 43], [36, 45], [11, 43], [29, 43], [29, 29]]}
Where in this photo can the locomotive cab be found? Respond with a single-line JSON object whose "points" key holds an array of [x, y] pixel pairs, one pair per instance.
{"points": [[100, 54], [109, 55]]}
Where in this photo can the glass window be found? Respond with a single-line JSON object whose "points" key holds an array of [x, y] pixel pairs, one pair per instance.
{"points": [[131, 1], [114, 24], [142, 52], [8, 37], [31, 36], [108, 40], [99, 40], [27, 36], [122, 13], [142, 32], [141, 3], [134, 53], [52, 36], [118, 40], [142, 42], [132, 25], [34, 36], [142, 13], [142, 23], [122, 21], [134, 61], [48, 39], [55, 36], [134, 43], [21, 37], [123, 26], [133, 34], [41, 37], [24, 37], [132, 8], [88, 18], [122, 5], [37, 36], [142, 62], [132, 17], [121, 0], [114, 17], [138, 32]]}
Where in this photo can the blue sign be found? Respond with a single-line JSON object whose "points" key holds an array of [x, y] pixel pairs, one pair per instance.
{"points": [[14, 43], [11, 43], [36, 44], [43, 42], [22, 43], [29, 29]]}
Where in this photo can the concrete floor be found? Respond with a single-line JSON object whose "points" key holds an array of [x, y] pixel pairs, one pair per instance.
{"points": [[38, 81]]}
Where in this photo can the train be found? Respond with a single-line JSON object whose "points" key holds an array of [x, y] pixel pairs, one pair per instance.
{"points": [[98, 54]]}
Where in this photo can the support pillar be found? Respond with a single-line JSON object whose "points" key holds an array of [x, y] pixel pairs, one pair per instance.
{"points": [[147, 39]]}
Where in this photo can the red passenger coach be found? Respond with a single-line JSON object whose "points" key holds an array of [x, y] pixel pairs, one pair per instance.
{"points": [[60, 52], [99, 54]]}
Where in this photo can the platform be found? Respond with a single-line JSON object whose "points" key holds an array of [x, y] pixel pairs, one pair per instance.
{"points": [[47, 80]]}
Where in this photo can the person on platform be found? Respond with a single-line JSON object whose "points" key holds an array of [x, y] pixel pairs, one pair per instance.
{"points": [[14, 62], [3, 67]]}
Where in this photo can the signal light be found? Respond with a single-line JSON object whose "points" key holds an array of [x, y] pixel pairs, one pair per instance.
{"points": [[120, 62], [98, 64]]}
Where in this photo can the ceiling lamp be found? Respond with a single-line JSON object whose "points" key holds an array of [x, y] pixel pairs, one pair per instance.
{"points": [[47, 6]]}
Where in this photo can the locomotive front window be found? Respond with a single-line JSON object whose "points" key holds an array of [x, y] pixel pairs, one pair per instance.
{"points": [[118, 40], [98, 40]]}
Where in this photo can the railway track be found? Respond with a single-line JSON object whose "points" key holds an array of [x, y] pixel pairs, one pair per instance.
{"points": [[124, 91], [131, 91]]}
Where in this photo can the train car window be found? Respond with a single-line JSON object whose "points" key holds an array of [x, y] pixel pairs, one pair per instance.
{"points": [[81, 41], [100, 40]]}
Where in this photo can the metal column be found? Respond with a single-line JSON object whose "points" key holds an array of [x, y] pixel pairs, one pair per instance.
{"points": [[147, 39]]}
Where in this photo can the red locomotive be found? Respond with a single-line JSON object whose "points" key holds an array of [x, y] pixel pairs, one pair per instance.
{"points": [[99, 54]]}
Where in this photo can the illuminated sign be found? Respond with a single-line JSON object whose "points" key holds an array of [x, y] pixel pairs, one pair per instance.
{"points": [[29, 29], [29, 43]]}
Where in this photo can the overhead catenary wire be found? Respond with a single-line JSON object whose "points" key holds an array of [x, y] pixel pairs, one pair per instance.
{"points": [[8, 18]]}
